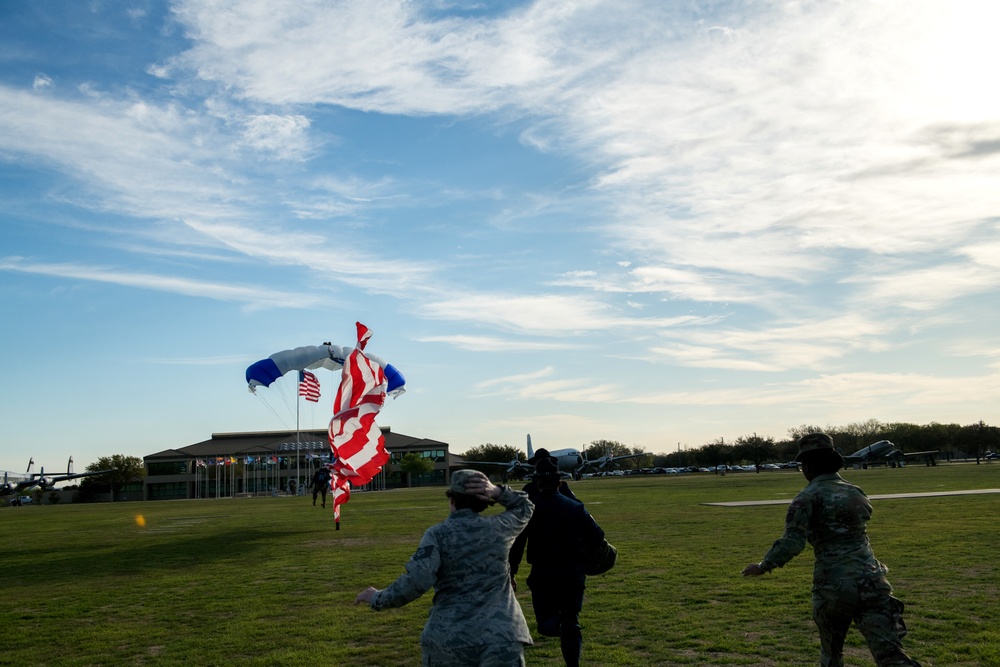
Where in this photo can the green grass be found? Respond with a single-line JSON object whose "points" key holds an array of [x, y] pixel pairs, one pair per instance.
{"points": [[267, 581]]}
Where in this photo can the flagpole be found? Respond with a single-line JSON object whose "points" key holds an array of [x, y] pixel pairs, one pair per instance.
{"points": [[298, 390]]}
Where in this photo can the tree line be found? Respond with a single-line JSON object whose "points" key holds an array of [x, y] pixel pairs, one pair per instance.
{"points": [[972, 441]]}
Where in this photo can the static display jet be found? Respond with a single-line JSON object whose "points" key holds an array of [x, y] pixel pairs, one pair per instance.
{"points": [[885, 452], [42, 481], [570, 460]]}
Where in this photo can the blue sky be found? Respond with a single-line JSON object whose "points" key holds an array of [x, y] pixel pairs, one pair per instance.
{"points": [[657, 223]]}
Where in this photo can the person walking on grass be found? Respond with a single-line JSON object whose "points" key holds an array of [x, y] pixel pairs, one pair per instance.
{"points": [[475, 619], [849, 584], [320, 483], [554, 538]]}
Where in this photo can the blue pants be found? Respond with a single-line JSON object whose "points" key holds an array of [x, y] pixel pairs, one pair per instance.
{"points": [[557, 598]]}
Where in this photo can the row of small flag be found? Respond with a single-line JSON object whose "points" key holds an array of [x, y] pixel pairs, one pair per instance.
{"points": [[229, 460]]}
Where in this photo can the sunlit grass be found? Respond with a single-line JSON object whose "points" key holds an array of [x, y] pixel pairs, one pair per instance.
{"points": [[268, 581]]}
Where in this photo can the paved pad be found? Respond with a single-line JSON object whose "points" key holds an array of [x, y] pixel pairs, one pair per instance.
{"points": [[884, 496]]}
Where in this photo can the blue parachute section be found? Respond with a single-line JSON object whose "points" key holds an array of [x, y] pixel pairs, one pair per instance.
{"points": [[310, 357], [264, 372]]}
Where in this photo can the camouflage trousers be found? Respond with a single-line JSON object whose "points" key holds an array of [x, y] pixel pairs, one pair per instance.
{"points": [[487, 655], [867, 603]]}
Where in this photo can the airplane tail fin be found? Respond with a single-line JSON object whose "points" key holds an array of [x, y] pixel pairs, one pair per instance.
{"points": [[69, 466], [31, 462], [531, 452]]}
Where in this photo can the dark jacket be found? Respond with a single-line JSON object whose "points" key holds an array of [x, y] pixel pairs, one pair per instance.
{"points": [[531, 488], [555, 534]]}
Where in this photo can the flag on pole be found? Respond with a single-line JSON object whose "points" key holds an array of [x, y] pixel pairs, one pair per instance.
{"points": [[356, 441], [308, 386]]}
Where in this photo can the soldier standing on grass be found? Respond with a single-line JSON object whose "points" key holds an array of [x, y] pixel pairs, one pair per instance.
{"points": [[475, 619], [849, 584], [320, 483]]}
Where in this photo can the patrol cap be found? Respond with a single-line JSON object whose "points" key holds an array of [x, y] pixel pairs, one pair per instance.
{"points": [[815, 445], [460, 477]]}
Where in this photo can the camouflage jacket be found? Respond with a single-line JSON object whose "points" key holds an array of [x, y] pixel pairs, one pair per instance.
{"points": [[465, 559], [831, 515]]}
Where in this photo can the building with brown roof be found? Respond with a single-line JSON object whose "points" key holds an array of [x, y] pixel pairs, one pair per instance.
{"points": [[275, 462]]}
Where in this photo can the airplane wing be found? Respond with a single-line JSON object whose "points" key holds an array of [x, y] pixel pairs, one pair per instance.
{"points": [[630, 456], [607, 461], [63, 478], [515, 467]]}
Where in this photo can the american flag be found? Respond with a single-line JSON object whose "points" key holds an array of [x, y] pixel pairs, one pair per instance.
{"points": [[356, 440], [308, 386]]}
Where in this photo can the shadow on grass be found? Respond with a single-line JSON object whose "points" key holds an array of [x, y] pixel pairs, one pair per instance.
{"points": [[140, 555]]}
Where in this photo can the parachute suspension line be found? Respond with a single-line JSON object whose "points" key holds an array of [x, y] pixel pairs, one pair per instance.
{"points": [[270, 408]]}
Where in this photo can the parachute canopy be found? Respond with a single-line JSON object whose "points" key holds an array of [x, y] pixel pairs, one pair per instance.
{"points": [[331, 357]]}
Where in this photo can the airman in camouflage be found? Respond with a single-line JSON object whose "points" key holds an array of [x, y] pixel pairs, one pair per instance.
{"points": [[475, 618], [849, 583]]}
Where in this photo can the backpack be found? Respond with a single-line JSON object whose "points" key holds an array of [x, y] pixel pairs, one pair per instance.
{"points": [[599, 558]]}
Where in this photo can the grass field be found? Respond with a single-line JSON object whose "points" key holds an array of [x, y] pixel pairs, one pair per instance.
{"points": [[267, 581]]}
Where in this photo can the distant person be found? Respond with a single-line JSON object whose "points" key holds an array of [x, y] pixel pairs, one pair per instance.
{"points": [[531, 488], [320, 483], [475, 618], [849, 584], [558, 529]]}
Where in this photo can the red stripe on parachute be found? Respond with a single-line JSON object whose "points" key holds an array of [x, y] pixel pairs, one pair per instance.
{"points": [[356, 440]]}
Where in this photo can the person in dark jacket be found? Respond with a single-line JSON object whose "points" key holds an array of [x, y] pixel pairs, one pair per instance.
{"points": [[531, 488], [558, 529], [320, 483]]}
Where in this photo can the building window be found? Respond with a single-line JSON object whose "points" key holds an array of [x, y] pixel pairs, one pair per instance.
{"points": [[168, 468], [167, 490]]}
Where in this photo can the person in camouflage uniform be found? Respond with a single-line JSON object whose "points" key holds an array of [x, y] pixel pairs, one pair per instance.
{"points": [[475, 618], [849, 584]]}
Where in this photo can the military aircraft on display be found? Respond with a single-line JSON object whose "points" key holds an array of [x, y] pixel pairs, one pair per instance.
{"points": [[570, 460], [885, 452], [40, 480]]}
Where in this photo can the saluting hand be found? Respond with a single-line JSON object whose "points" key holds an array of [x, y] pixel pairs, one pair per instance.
{"points": [[481, 487]]}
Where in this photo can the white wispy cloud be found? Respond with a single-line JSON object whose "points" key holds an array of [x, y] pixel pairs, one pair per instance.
{"points": [[251, 295], [747, 158], [493, 344], [881, 392]]}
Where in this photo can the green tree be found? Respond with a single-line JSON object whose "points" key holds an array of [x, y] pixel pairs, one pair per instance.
{"points": [[755, 449], [121, 470], [717, 453], [856, 435], [797, 432], [414, 463], [599, 448], [495, 453], [977, 439], [504, 454]]}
